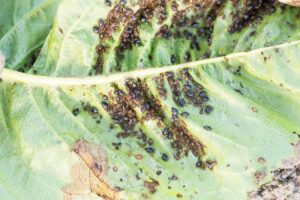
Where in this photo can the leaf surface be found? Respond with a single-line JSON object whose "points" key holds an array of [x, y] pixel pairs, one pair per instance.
{"points": [[154, 34], [24, 26], [131, 135]]}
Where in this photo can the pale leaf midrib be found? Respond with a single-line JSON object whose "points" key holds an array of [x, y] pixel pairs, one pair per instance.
{"points": [[14, 76]]}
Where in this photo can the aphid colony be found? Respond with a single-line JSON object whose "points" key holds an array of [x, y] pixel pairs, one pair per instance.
{"points": [[192, 23], [122, 106]]}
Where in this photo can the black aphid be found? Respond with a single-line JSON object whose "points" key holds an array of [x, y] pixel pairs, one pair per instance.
{"points": [[150, 141], [185, 114], [208, 109], [165, 131], [182, 102], [198, 163], [101, 22], [158, 172], [104, 105], [164, 157], [96, 29], [170, 135], [173, 59], [108, 2], [187, 56], [202, 94], [150, 149], [195, 24], [76, 111], [145, 106], [208, 128], [169, 74], [174, 111], [143, 18], [119, 92], [137, 42], [205, 98], [94, 110]]}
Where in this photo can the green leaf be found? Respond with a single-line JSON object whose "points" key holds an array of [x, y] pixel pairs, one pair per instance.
{"points": [[70, 46], [13, 11], [24, 26], [80, 138]]}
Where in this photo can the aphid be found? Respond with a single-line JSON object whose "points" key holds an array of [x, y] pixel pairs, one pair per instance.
{"points": [[150, 149], [150, 141], [76, 111], [96, 29], [94, 110], [119, 92], [108, 2], [104, 105], [185, 114], [182, 102], [145, 106], [190, 93], [205, 98], [202, 94], [208, 109], [188, 87], [164, 157], [116, 145], [165, 131], [143, 18], [158, 172], [173, 59], [239, 91], [170, 135], [101, 22], [185, 71], [169, 74], [195, 24], [208, 128], [195, 45], [129, 30], [137, 42], [188, 35], [187, 56], [175, 144], [199, 163], [174, 111]]}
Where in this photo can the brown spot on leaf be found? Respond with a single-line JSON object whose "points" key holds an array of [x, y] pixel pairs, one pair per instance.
{"points": [[138, 156], [261, 160], [88, 175], [291, 2]]}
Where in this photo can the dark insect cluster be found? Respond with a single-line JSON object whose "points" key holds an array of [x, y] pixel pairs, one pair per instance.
{"points": [[122, 18], [185, 91], [151, 185], [251, 11], [193, 23], [140, 96], [123, 104], [120, 14], [120, 110], [183, 142]]}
